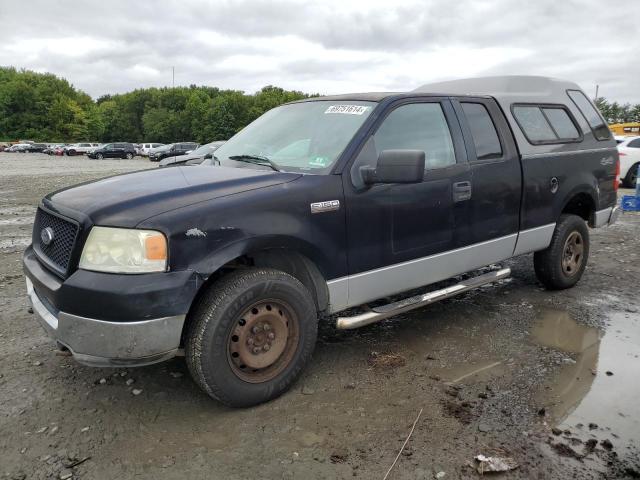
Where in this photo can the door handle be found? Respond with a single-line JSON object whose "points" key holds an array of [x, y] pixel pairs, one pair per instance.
{"points": [[461, 191]]}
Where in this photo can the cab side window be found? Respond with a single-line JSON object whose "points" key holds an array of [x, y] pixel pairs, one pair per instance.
{"points": [[418, 126], [483, 131], [634, 143]]}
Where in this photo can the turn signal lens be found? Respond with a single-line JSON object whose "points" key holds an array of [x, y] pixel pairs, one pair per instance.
{"points": [[155, 247]]}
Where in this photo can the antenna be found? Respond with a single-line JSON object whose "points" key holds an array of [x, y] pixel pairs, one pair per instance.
{"points": [[173, 77], [597, 88]]}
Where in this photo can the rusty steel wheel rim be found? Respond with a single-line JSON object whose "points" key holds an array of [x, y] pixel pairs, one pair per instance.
{"points": [[573, 254], [263, 341]]}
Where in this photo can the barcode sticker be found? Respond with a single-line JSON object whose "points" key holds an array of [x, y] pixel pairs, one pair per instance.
{"points": [[347, 109]]}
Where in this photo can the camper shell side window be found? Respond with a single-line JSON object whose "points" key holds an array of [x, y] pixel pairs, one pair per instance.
{"points": [[546, 123]]}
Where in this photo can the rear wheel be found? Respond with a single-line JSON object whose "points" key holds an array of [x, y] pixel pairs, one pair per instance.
{"points": [[562, 264], [631, 177], [71, 153], [129, 156], [250, 336]]}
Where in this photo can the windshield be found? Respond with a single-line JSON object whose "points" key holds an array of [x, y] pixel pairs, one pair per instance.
{"points": [[300, 137]]}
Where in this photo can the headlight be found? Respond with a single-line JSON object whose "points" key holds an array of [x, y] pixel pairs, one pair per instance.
{"points": [[123, 250]]}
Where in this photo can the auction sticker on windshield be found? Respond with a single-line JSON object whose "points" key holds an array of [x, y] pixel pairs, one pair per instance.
{"points": [[347, 109]]}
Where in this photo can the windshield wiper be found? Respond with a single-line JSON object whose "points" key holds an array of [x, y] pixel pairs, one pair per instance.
{"points": [[256, 160]]}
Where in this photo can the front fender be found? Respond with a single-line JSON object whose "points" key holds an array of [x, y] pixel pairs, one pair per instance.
{"points": [[216, 259]]}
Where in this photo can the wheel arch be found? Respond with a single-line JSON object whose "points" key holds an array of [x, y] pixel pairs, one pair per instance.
{"points": [[290, 255], [580, 202]]}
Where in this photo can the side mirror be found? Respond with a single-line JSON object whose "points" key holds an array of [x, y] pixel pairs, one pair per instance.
{"points": [[208, 156], [396, 166]]}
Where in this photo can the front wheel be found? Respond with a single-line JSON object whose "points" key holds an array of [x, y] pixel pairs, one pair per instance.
{"points": [[562, 264], [250, 336], [99, 156]]}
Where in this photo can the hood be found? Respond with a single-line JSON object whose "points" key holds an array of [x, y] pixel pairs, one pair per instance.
{"points": [[126, 200]]}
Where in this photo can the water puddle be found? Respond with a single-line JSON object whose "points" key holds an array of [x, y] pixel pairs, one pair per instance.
{"points": [[597, 394]]}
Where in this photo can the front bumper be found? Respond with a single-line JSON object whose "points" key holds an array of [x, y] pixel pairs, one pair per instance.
{"points": [[110, 319], [100, 343]]}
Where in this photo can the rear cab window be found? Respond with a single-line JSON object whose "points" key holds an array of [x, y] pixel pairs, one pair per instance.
{"points": [[546, 124], [484, 133], [594, 119]]}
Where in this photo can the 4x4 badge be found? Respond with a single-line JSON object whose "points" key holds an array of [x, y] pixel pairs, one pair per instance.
{"points": [[328, 206]]}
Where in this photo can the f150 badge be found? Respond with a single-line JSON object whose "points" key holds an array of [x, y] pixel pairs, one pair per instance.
{"points": [[328, 206]]}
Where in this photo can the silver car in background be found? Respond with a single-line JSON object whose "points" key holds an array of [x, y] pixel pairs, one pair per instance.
{"points": [[194, 158]]}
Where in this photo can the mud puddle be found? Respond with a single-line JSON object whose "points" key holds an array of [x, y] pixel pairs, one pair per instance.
{"points": [[595, 393]]}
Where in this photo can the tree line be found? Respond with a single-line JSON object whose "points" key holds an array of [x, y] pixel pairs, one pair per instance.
{"points": [[43, 107], [613, 112]]}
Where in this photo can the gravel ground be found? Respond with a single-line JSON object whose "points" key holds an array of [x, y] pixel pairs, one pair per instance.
{"points": [[546, 378]]}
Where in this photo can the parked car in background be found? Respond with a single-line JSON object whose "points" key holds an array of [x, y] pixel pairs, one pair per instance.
{"points": [[59, 149], [629, 150], [36, 148], [3, 147], [80, 148], [194, 158], [145, 148], [114, 150], [18, 147], [172, 150]]}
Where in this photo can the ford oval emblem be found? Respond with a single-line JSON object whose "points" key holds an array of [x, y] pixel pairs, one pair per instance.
{"points": [[47, 235]]}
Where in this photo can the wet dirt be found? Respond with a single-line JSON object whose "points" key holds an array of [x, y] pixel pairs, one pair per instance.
{"points": [[507, 368]]}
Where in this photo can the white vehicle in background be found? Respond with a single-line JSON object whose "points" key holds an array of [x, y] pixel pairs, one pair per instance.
{"points": [[80, 148], [18, 147], [145, 147], [629, 150]]}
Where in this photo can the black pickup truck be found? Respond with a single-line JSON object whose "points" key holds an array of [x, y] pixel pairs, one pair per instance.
{"points": [[318, 206]]}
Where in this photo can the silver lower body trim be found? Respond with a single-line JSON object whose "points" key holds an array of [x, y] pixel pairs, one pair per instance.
{"points": [[107, 344], [534, 239], [606, 216], [364, 287], [358, 289]]}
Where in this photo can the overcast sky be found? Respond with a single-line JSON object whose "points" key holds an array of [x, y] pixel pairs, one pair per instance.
{"points": [[332, 46]]}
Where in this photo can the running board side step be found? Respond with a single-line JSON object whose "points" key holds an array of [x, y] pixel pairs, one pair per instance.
{"points": [[385, 311]]}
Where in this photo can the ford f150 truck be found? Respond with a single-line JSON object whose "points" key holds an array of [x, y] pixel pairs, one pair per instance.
{"points": [[318, 206]]}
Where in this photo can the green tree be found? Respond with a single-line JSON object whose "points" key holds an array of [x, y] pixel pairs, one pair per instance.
{"points": [[48, 108]]}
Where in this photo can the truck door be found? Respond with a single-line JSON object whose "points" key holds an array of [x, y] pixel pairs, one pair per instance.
{"points": [[392, 228], [496, 177]]}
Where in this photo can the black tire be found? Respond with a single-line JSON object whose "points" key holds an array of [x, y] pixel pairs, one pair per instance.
{"points": [[99, 156], [629, 180], [71, 153], [560, 266], [129, 156], [216, 332]]}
